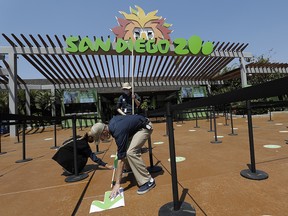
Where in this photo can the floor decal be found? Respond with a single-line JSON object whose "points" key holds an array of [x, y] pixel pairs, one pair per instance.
{"points": [[158, 143], [272, 146], [118, 201], [179, 159], [219, 136]]}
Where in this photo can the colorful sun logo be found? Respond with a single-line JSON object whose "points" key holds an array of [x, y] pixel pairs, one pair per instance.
{"points": [[139, 25]]}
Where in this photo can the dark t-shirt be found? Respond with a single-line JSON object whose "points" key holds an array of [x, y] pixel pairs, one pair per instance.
{"points": [[123, 127], [125, 103], [84, 149]]}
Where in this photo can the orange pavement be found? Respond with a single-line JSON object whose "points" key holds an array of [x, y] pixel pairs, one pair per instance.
{"points": [[209, 179]]}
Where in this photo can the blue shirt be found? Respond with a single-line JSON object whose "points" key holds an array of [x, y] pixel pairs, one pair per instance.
{"points": [[122, 127], [125, 103]]}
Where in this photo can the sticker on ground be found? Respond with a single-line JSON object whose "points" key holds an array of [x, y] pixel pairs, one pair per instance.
{"points": [[118, 201], [158, 143], [113, 156], [272, 146], [219, 136], [48, 139], [178, 125], [192, 130], [278, 123], [283, 131], [219, 123], [179, 159]]}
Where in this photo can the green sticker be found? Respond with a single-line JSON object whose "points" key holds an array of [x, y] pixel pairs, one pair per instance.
{"points": [[179, 159], [272, 146], [158, 143]]}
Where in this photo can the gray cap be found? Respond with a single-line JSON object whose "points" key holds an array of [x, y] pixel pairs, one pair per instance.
{"points": [[96, 131]]}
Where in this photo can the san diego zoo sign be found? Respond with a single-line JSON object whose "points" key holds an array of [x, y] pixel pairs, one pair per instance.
{"points": [[142, 33]]}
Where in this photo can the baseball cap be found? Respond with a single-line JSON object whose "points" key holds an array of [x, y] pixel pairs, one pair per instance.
{"points": [[96, 131], [126, 85]]}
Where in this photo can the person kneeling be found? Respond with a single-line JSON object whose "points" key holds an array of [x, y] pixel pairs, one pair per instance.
{"points": [[65, 154]]}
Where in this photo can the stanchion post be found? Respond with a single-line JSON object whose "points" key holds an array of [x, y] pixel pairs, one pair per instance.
{"points": [[252, 173], [0, 139], [152, 168], [226, 117], [172, 158], [76, 176], [55, 137], [270, 116], [24, 159], [166, 127], [210, 119], [207, 115], [80, 122], [231, 121], [196, 126], [175, 207], [17, 132], [215, 129]]}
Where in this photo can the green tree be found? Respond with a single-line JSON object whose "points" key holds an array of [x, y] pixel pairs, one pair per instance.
{"points": [[4, 101], [43, 102]]}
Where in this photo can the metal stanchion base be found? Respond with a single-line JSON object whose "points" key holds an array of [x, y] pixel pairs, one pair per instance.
{"points": [[216, 141], [75, 178], [2, 153], [55, 147], [210, 130], [154, 169], [24, 160], [226, 124], [258, 175], [232, 134], [185, 209], [269, 120], [196, 127]]}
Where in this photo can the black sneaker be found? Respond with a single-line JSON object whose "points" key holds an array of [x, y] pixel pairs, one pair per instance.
{"points": [[146, 187]]}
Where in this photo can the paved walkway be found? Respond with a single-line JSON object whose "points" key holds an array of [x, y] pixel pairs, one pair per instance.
{"points": [[209, 178]]}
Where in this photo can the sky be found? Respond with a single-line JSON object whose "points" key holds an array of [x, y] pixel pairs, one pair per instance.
{"points": [[261, 23]]}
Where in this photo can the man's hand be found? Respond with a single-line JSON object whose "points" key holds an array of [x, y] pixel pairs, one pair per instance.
{"points": [[109, 167], [135, 100], [118, 176], [115, 191]]}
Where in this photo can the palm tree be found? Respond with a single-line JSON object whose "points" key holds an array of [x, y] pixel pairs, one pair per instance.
{"points": [[43, 102]]}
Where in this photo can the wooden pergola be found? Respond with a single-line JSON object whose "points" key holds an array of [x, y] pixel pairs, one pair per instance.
{"points": [[107, 71], [101, 70]]}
